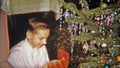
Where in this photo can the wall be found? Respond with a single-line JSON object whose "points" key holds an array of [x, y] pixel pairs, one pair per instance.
{"points": [[4, 40], [30, 6]]}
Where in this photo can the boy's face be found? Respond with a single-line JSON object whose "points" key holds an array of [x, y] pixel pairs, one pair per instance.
{"points": [[39, 38]]}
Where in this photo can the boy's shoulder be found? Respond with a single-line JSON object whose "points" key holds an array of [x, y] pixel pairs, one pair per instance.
{"points": [[17, 48]]}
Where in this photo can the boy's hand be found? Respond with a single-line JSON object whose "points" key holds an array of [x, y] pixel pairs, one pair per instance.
{"points": [[55, 64]]}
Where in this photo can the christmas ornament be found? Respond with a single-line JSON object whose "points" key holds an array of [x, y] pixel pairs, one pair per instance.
{"points": [[115, 13], [81, 59], [102, 17], [104, 45], [102, 60], [66, 14], [97, 19], [85, 47], [112, 17], [93, 31], [106, 66], [108, 20], [103, 5], [118, 58]]}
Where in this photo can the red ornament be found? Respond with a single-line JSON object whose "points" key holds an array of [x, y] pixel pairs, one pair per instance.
{"points": [[102, 60]]}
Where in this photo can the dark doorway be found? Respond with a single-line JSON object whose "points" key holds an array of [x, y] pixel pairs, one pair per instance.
{"points": [[18, 24]]}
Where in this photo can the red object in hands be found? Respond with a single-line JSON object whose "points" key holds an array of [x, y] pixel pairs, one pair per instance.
{"points": [[64, 57], [55, 64]]}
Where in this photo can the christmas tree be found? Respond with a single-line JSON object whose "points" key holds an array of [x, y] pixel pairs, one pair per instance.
{"points": [[92, 33]]}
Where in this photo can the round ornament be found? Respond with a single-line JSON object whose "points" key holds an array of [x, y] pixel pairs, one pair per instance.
{"points": [[106, 66], [118, 58], [93, 31], [103, 5], [104, 45], [66, 14], [81, 59], [102, 60]]}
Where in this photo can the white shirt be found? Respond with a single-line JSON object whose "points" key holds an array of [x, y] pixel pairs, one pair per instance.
{"points": [[23, 55]]}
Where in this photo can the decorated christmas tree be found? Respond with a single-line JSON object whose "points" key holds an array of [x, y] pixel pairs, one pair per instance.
{"points": [[92, 36]]}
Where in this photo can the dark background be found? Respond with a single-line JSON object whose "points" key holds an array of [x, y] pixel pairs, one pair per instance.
{"points": [[92, 3]]}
